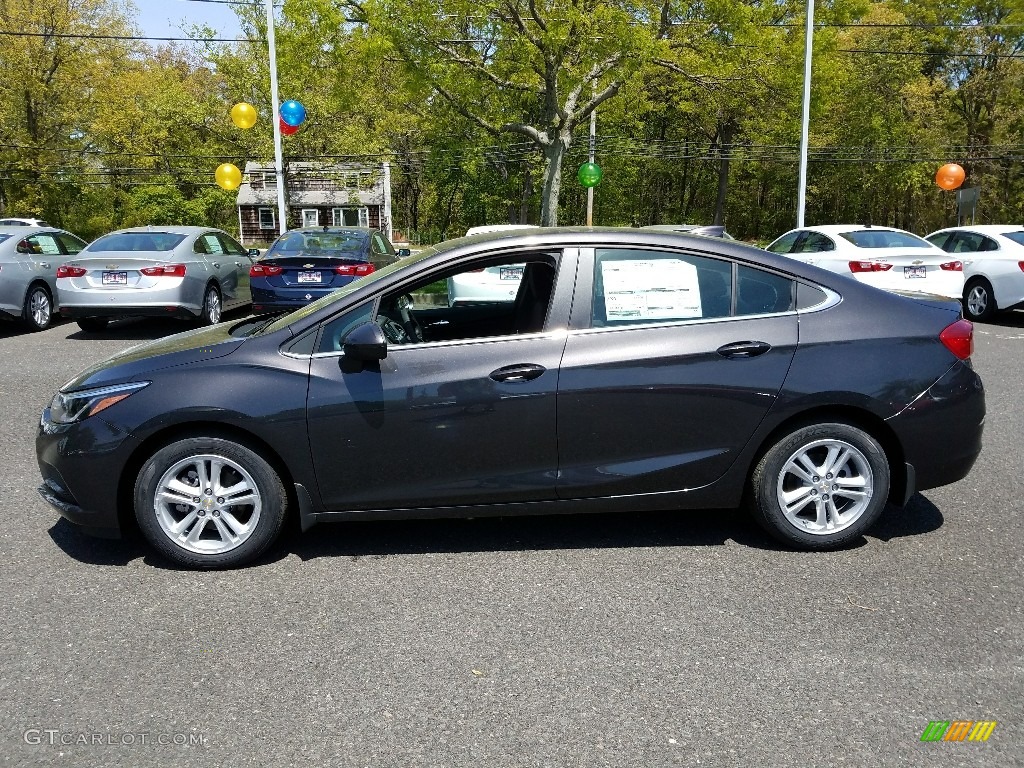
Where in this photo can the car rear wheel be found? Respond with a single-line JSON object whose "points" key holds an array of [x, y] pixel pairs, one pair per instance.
{"points": [[821, 486], [211, 312], [979, 303], [93, 324], [206, 502], [37, 313]]}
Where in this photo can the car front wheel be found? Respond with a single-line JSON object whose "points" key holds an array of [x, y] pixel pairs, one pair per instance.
{"points": [[93, 324], [821, 486], [979, 303], [207, 502]]}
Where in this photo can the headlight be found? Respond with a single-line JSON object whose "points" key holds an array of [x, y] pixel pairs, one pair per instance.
{"points": [[68, 407]]}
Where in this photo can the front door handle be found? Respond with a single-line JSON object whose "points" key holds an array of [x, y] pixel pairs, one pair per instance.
{"points": [[744, 349], [521, 372], [216, 265]]}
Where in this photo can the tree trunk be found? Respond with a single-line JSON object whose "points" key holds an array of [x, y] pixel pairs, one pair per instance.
{"points": [[726, 133], [554, 154]]}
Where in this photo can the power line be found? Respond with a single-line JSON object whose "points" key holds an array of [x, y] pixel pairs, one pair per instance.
{"points": [[71, 36]]}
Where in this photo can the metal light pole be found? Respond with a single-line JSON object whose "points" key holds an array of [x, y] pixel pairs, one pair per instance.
{"points": [[593, 141], [805, 122], [282, 212]]}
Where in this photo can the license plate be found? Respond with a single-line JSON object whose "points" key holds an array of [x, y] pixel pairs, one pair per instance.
{"points": [[909, 272], [309, 277], [115, 278], [511, 273]]}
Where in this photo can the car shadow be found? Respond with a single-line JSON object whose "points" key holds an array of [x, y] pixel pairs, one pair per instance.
{"points": [[144, 328], [384, 538], [1010, 319]]}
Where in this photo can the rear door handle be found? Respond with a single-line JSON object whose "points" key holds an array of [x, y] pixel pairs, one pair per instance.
{"points": [[744, 349], [521, 372]]}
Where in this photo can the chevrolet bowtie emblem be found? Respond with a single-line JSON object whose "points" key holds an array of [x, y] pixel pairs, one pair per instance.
{"points": [[307, 266], [110, 266], [309, 296], [918, 261]]}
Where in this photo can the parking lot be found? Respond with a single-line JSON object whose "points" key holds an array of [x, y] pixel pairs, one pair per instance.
{"points": [[618, 640]]}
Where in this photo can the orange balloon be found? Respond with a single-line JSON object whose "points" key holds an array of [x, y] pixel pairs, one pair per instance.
{"points": [[950, 176]]}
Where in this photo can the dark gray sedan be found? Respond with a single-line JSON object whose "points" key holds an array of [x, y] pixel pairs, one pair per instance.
{"points": [[29, 260], [635, 370]]}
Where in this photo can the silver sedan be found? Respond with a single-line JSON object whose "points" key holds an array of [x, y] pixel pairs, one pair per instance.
{"points": [[29, 260], [193, 273]]}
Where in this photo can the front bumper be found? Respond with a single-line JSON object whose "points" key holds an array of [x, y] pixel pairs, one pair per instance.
{"points": [[81, 465]]}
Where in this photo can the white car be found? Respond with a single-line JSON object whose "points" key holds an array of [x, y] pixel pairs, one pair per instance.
{"points": [[16, 222], [887, 258], [491, 283], [993, 257]]}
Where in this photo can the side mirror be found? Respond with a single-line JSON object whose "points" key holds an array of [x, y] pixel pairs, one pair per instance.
{"points": [[365, 342], [254, 253], [403, 252]]}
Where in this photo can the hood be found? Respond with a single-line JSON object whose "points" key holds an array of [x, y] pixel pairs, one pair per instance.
{"points": [[180, 349]]}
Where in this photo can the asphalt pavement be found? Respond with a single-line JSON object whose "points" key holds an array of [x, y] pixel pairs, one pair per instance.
{"points": [[620, 640]]}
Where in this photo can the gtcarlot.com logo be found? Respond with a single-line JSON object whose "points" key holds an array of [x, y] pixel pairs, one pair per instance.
{"points": [[958, 730], [56, 737]]}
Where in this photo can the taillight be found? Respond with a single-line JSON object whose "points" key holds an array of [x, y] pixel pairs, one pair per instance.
{"points": [[264, 270], [869, 266], [952, 266], [168, 270], [958, 338], [354, 270], [1021, 265], [70, 272]]}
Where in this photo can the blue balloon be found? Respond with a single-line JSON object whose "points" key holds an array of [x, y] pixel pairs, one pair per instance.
{"points": [[293, 113]]}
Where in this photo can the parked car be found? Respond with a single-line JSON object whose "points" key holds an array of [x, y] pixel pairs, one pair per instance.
{"points": [[29, 261], [890, 259], [635, 370], [489, 283], [993, 257], [193, 273], [303, 265], [16, 222], [708, 230]]}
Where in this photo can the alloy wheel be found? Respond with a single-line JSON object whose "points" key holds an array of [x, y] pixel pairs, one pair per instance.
{"points": [[825, 487]]}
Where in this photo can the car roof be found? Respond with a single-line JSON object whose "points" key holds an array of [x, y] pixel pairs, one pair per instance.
{"points": [[19, 229], [990, 229], [838, 229], [171, 229], [364, 231], [486, 228]]}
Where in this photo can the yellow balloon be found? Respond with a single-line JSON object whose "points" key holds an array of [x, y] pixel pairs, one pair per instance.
{"points": [[244, 115], [228, 176]]}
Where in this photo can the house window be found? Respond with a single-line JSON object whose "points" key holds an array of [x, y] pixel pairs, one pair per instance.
{"points": [[267, 218], [310, 217], [350, 217], [270, 180]]}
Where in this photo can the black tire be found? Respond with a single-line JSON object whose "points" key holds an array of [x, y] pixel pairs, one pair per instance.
{"points": [[200, 534], [979, 300], [847, 517], [212, 308], [93, 324], [37, 313]]}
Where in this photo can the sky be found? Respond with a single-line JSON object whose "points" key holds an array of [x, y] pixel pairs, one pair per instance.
{"points": [[167, 18]]}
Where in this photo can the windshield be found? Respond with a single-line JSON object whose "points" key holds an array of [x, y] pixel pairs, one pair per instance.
{"points": [[339, 294], [137, 241], [1017, 237], [305, 242], [884, 238]]}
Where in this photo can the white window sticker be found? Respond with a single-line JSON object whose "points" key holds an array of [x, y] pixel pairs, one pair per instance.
{"points": [[655, 289]]}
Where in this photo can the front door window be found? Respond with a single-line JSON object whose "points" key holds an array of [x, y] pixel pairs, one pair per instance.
{"points": [[310, 217]]}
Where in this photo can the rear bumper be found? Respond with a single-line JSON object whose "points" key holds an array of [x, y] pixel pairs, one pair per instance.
{"points": [[941, 430], [164, 310]]}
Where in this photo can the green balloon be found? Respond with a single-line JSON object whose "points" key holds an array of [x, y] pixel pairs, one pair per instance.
{"points": [[589, 174]]}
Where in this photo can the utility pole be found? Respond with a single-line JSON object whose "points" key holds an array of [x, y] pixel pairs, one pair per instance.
{"points": [[805, 121], [593, 142], [282, 211]]}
